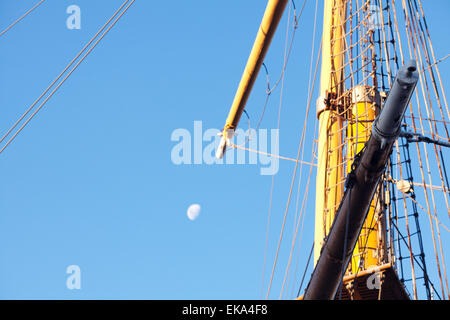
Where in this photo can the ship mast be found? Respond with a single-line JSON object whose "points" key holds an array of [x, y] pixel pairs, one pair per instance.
{"points": [[330, 172], [358, 107], [346, 249], [354, 146]]}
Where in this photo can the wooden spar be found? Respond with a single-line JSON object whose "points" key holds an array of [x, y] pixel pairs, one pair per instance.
{"points": [[272, 16]]}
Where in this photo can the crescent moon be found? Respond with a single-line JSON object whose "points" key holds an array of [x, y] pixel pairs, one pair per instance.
{"points": [[193, 211]]}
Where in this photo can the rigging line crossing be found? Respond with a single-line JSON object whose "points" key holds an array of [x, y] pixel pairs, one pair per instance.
{"points": [[432, 229], [410, 39], [67, 76], [435, 63], [291, 188], [62, 73], [304, 204], [402, 237], [284, 222], [345, 246], [407, 227], [306, 269], [415, 201], [415, 42], [269, 91], [434, 59], [300, 218], [286, 57], [22, 17], [272, 155], [296, 21], [299, 215], [311, 87], [418, 25], [425, 50], [399, 42]]}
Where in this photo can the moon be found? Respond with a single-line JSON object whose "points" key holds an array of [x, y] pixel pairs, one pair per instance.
{"points": [[193, 211]]}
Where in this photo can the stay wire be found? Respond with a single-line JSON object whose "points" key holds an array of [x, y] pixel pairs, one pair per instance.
{"points": [[22, 17], [67, 76], [306, 269], [62, 73], [344, 255]]}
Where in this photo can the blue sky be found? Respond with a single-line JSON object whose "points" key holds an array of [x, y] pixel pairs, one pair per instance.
{"points": [[90, 181]]}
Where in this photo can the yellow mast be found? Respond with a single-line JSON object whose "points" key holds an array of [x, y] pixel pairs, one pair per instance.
{"points": [[332, 111], [329, 187], [369, 250], [359, 107], [330, 172]]}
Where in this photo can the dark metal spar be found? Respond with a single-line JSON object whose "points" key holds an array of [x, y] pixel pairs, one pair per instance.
{"points": [[361, 185]]}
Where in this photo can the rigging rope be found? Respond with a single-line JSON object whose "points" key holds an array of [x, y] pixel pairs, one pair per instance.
{"points": [[311, 86], [18, 20], [65, 78], [306, 269], [286, 55]]}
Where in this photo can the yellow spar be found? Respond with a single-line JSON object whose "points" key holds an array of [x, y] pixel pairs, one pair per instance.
{"points": [[272, 16]]}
